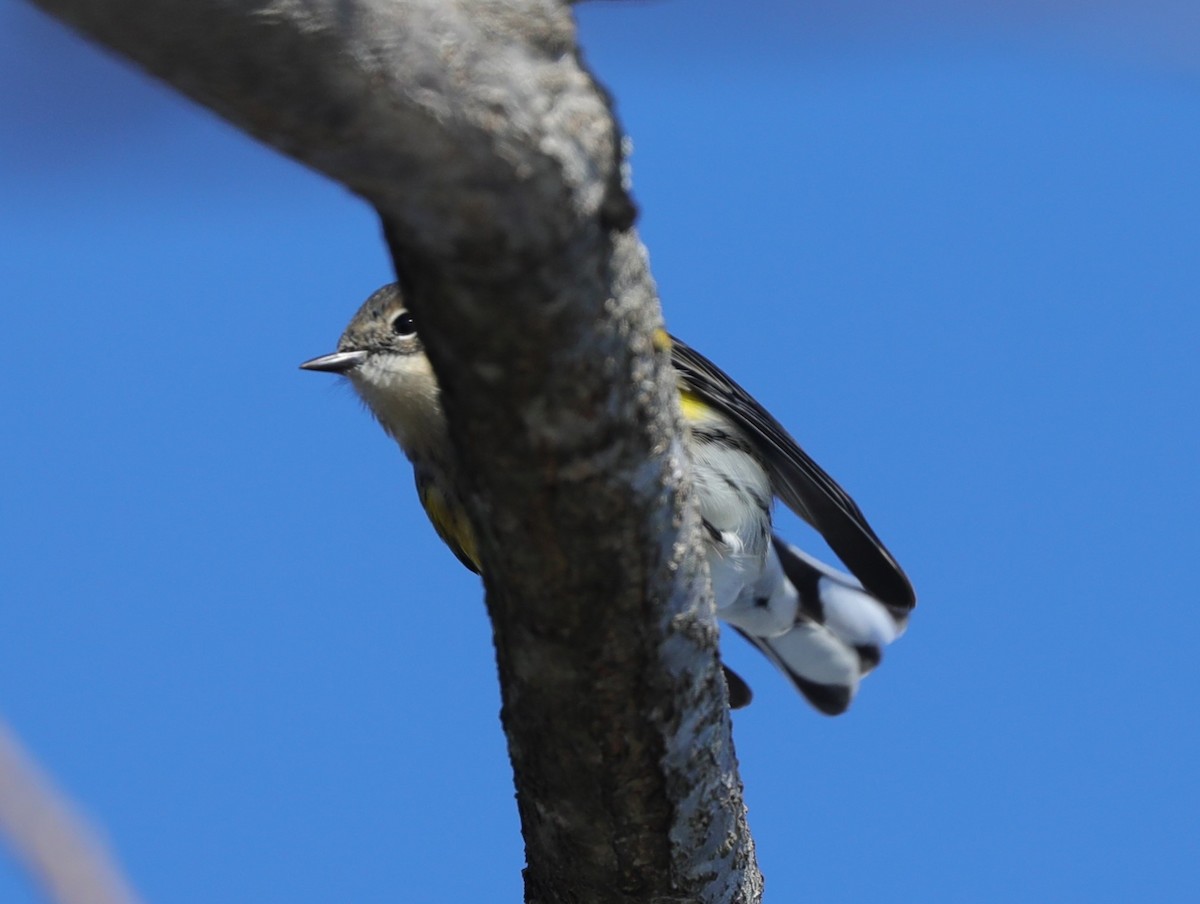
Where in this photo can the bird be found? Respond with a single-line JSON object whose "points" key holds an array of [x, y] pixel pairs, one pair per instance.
{"points": [[823, 628]]}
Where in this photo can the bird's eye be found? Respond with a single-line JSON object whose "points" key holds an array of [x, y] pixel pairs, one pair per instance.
{"points": [[404, 325]]}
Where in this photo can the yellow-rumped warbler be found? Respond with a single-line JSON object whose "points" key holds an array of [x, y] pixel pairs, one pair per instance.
{"points": [[823, 628]]}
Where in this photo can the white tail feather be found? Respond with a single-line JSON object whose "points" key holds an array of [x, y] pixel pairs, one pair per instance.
{"points": [[838, 632]]}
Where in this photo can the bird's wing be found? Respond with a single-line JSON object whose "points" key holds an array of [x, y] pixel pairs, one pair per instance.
{"points": [[798, 480], [450, 522]]}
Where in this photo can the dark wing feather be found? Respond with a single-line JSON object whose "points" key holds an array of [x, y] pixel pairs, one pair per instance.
{"points": [[799, 481]]}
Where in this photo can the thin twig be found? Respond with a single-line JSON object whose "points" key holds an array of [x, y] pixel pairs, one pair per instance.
{"points": [[45, 831]]}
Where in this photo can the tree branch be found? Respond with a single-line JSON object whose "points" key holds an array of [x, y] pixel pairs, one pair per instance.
{"points": [[494, 162], [45, 833]]}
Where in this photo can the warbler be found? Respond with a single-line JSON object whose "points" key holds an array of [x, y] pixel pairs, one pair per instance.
{"points": [[824, 629]]}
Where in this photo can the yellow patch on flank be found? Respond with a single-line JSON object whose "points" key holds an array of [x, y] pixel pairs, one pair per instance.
{"points": [[662, 340], [452, 524], [693, 407]]}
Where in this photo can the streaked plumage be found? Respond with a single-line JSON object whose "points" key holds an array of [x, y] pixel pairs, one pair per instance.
{"points": [[822, 628]]}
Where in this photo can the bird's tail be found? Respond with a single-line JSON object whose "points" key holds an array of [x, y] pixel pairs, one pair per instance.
{"points": [[839, 633]]}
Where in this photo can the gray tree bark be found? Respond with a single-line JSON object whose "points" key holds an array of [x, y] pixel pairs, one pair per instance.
{"points": [[493, 159]]}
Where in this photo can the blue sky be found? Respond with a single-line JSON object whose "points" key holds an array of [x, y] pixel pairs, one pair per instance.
{"points": [[959, 259]]}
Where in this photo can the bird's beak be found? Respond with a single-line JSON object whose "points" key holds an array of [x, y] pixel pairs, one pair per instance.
{"points": [[337, 363]]}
